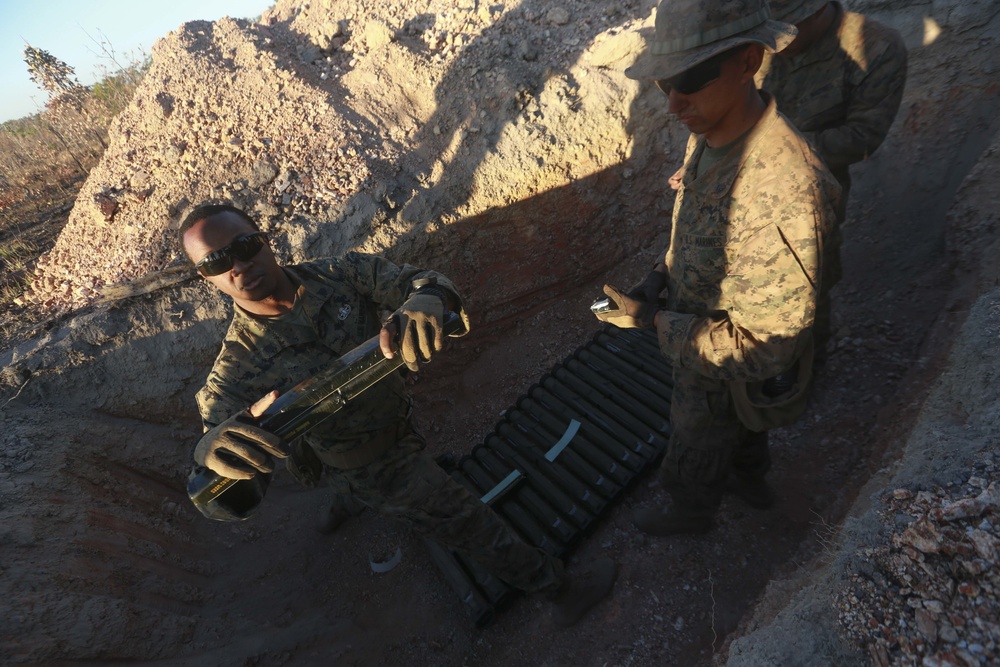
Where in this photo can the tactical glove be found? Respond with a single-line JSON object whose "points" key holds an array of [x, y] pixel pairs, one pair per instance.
{"points": [[419, 323], [649, 289], [237, 448], [628, 313]]}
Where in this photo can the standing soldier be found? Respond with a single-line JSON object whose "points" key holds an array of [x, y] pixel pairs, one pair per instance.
{"points": [[290, 321], [742, 272], [840, 83]]}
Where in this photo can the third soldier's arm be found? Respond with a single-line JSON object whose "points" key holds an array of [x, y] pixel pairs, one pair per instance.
{"points": [[872, 107]]}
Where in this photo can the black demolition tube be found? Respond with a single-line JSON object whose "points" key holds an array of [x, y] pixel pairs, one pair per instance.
{"points": [[595, 354], [552, 481], [656, 409], [648, 440], [518, 518], [613, 434], [526, 428], [460, 582], [639, 344], [551, 520], [582, 443], [640, 362], [591, 369]]}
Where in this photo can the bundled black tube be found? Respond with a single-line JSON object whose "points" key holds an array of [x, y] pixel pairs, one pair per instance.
{"points": [[548, 517], [654, 409], [551, 480], [481, 611], [524, 428], [647, 439], [509, 508], [582, 443]]}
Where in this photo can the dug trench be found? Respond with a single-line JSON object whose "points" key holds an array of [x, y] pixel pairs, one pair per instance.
{"points": [[104, 560]]}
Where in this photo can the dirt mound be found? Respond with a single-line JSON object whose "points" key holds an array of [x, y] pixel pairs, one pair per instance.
{"points": [[397, 129], [228, 132]]}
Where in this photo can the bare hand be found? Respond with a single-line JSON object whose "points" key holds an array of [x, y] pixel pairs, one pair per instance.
{"points": [[677, 179], [387, 338], [263, 403]]}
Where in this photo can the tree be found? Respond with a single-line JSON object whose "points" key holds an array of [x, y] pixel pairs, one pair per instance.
{"points": [[65, 93], [51, 74]]}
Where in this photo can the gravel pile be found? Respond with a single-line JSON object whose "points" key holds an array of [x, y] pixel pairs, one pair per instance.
{"points": [[930, 596], [325, 118], [244, 129]]}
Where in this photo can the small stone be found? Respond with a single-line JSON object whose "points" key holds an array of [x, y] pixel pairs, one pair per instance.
{"points": [[527, 51], [968, 589], [986, 545], [948, 634], [107, 206], [262, 173], [558, 16], [923, 536], [934, 606]]}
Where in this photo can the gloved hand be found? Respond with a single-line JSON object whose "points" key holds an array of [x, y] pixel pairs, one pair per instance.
{"points": [[419, 323], [237, 448], [629, 313], [649, 289]]}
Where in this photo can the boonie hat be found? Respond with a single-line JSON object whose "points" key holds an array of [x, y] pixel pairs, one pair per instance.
{"points": [[795, 11], [691, 31]]}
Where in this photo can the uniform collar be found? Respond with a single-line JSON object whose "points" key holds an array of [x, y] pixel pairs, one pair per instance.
{"points": [[718, 180], [311, 293], [295, 327]]}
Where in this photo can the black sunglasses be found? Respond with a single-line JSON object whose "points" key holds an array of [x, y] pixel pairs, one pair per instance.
{"points": [[244, 248], [698, 77]]}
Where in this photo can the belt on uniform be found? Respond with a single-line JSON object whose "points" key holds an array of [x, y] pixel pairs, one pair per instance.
{"points": [[378, 444]]}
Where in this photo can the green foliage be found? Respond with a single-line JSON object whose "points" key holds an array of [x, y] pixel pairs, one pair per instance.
{"points": [[115, 90], [23, 128]]}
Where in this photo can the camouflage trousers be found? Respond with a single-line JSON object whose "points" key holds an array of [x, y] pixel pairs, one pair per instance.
{"points": [[407, 484], [707, 443]]}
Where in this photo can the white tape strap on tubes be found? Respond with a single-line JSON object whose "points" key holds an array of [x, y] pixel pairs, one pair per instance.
{"points": [[550, 456]]}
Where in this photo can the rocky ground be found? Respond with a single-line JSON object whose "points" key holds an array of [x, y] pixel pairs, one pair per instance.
{"points": [[501, 144]]}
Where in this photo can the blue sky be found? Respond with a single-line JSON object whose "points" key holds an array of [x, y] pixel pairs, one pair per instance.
{"points": [[61, 28]]}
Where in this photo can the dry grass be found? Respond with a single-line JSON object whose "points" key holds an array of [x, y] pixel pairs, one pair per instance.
{"points": [[44, 160], [17, 254], [30, 222], [15, 258], [827, 536]]}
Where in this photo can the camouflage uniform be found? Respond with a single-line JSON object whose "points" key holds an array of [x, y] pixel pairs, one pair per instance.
{"points": [[843, 93], [337, 307], [743, 268]]}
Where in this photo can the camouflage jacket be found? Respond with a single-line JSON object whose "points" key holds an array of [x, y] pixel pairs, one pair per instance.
{"points": [[744, 261], [844, 91], [337, 307]]}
